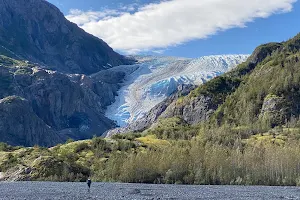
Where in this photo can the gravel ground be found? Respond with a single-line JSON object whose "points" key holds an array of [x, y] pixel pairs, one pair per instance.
{"points": [[107, 191]]}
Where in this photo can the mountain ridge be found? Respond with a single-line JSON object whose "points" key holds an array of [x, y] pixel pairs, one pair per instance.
{"points": [[47, 61], [37, 31]]}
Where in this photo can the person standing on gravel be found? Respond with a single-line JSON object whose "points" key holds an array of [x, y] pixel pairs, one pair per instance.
{"points": [[89, 182]]}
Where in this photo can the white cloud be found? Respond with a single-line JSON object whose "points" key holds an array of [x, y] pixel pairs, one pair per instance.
{"points": [[173, 22], [129, 7], [81, 18]]}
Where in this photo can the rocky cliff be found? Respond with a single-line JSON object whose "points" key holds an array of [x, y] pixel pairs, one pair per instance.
{"points": [[55, 106], [50, 71], [20, 125], [37, 31]]}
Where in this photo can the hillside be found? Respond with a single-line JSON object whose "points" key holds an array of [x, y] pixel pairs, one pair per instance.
{"points": [[243, 129], [172, 153], [37, 31], [54, 106], [51, 72]]}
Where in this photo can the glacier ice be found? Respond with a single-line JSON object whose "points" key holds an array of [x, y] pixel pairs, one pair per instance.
{"points": [[157, 77]]}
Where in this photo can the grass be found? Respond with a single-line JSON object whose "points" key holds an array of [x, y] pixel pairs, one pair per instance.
{"points": [[279, 136], [9, 62], [11, 67], [267, 138], [180, 101], [23, 70], [271, 96], [152, 141]]}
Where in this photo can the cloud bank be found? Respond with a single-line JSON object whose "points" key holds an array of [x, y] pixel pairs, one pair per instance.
{"points": [[173, 22]]}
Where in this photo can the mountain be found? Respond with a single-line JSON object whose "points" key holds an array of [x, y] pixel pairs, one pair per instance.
{"points": [[55, 106], [158, 77], [240, 128], [269, 93], [63, 106], [65, 78], [50, 70], [37, 31], [262, 92]]}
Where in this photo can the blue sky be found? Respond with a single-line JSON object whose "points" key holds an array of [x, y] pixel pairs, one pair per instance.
{"points": [[185, 28]]}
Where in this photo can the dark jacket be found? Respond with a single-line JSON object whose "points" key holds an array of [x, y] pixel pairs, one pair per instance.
{"points": [[89, 182]]}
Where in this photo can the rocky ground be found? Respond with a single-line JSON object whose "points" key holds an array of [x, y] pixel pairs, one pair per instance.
{"points": [[116, 191]]}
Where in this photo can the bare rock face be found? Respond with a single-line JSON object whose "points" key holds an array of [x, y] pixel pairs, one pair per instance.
{"points": [[64, 104], [275, 110], [19, 125], [2, 176], [37, 31], [193, 111], [52, 104]]}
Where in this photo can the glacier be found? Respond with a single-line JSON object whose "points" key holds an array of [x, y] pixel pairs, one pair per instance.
{"points": [[154, 78]]}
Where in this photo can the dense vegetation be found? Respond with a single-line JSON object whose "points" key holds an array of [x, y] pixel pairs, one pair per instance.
{"points": [[268, 95], [253, 137], [217, 156]]}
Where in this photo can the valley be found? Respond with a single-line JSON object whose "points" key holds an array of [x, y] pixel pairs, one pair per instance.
{"points": [[72, 108]]}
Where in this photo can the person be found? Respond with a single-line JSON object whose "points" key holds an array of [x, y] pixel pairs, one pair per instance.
{"points": [[89, 182]]}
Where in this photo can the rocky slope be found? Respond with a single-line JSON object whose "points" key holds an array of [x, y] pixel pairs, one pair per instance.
{"points": [[28, 129], [54, 88], [56, 104], [37, 31]]}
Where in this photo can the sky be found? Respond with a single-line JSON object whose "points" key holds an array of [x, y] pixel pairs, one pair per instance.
{"points": [[185, 28]]}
